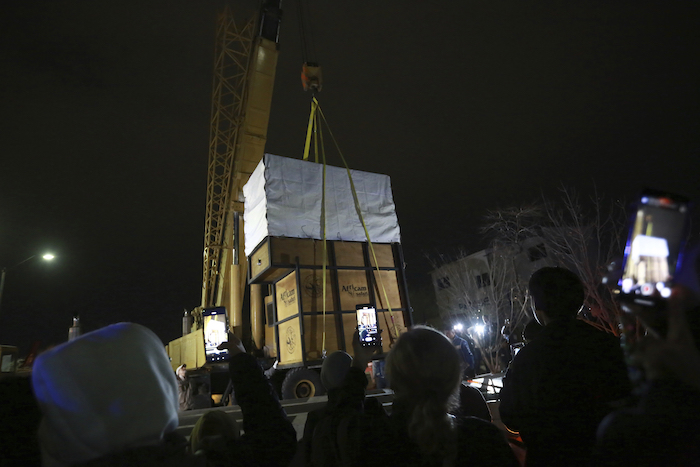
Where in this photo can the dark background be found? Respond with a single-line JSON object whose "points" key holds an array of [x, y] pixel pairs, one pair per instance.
{"points": [[468, 106]]}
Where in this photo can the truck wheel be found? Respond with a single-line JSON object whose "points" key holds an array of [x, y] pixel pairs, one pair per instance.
{"points": [[301, 383]]}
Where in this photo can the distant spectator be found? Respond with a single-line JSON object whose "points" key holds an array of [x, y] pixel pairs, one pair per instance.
{"points": [[507, 332], [476, 352], [468, 363], [504, 354], [560, 385], [185, 388], [379, 373], [202, 397]]}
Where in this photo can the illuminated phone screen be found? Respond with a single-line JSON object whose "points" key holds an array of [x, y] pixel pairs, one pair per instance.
{"points": [[215, 333], [367, 325], [657, 233]]}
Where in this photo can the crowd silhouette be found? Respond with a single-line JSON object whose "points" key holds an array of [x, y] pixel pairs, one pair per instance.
{"points": [[111, 398]]}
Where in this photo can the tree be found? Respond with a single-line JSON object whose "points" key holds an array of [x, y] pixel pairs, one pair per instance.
{"points": [[490, 286], [482, 290], [585, 239]]}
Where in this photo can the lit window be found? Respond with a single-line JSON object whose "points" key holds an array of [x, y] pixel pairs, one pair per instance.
{"points": [[443, 283], [482, 280]]}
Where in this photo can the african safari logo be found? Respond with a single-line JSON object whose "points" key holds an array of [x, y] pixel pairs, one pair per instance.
{"points": [[355, 290], [290, 339], [289, 297], [313, 286]]}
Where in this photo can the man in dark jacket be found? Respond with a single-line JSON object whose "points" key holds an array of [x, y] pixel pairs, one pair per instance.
{"points": [[464, 350], [561, 385]]}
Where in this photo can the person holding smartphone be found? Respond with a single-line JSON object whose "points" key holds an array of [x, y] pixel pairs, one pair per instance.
{"points": [[661, 428], [269, 438]]}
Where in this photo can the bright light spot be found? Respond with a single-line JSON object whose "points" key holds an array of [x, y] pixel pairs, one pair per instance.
{"points": [[458, 327], [48, 256], [479, 328], [665, 292], [627, 285]]}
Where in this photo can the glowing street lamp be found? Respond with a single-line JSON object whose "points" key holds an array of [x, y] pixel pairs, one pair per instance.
{"points": [[45, 257]]}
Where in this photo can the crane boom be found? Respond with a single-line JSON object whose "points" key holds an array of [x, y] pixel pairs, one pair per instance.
{"points": [[244, 77]]}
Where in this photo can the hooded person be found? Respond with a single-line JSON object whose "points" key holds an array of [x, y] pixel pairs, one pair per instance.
{"points": [[334, 370], [343, 399], [108, 397]]}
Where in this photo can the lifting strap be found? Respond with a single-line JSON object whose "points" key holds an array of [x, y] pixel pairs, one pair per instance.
{"points": [[314, 128], [309, 130]]}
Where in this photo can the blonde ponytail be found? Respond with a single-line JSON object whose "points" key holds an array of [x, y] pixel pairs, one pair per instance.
{"points": [[424, 371]]}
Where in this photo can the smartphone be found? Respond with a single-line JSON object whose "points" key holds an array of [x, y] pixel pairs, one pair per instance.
{"points": [[658, 230], [215, 333], [367, 326]]}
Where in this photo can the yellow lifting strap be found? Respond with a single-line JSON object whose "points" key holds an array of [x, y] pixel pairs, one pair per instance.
{"points": [[314, 128], [323, 227], [309, 130]]}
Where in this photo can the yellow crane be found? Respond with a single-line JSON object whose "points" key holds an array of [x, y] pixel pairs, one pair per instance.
{"points": [[301, 292], [245, 62], [244, 76]]}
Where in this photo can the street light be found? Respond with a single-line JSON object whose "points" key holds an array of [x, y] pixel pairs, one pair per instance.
{"points": [[45, 257]]}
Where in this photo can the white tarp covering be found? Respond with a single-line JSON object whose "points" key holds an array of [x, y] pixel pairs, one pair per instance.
{"points": [[283, 199]]}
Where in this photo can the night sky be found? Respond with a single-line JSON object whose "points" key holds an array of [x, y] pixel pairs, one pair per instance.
{"points": [[467, 106]]}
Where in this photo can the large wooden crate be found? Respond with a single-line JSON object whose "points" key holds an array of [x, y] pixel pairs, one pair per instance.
{"points": [[295, 316]]}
